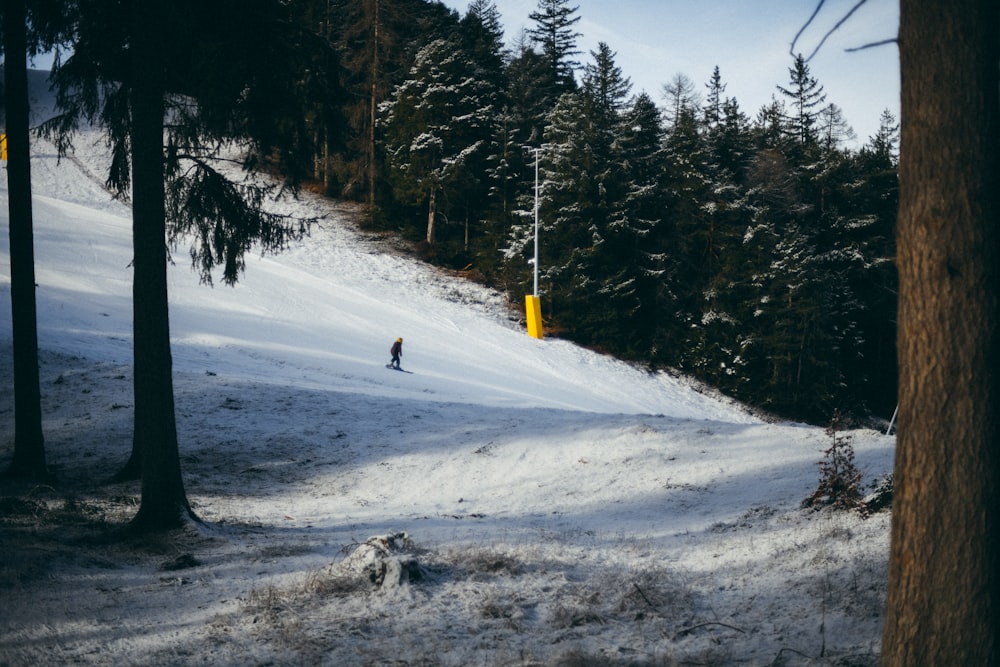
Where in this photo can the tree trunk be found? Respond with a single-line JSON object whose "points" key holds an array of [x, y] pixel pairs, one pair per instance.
{"points": [[164, 504], [431, 216], [943, 605], [29, 445], [373, 107]]}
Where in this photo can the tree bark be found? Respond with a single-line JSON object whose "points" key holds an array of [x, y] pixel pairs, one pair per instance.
{"points": [[164, 504], [431, 216], [29, 444], [944, 594], [373, 107]]}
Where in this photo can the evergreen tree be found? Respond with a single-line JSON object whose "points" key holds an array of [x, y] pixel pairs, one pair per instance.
{"points": [[716, 343], [376, 41], [29, 442], [554, 33], [529, 91], [685, 181], [436, 125], [713, 107], [610, 272], [731, 141], [874, 195], [639, 229], [605, 86], [322, 93], [811, 250], [570, 210], [488, 200], [770, 127], [125, 74], [164, 504], [484, 35], [806, 96], [883, 146], [584, 196]]}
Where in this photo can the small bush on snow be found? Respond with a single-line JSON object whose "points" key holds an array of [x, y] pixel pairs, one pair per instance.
{"points": [[840, 479]]}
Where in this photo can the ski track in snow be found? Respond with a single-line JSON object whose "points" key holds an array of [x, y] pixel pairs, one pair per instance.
{"points": [[561, 504]]}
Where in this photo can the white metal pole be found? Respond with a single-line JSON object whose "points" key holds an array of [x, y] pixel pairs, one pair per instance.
{"points": [[536, 223], [893, 420]]}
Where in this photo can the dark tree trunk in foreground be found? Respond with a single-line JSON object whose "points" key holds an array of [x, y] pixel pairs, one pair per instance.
{"points": [[944, 570], [29, 444], [164, 504]]}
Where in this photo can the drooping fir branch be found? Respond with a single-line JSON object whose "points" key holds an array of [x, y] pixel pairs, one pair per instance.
{"points": [[224, 218]]}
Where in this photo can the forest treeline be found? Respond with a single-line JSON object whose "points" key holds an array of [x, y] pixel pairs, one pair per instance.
{"points": [[751, 251]]}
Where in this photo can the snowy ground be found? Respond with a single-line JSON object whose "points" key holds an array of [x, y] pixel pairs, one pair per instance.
{"points": [[558, 507]]}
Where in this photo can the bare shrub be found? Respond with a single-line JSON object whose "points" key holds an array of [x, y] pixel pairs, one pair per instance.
{"points": [[488, 562]]}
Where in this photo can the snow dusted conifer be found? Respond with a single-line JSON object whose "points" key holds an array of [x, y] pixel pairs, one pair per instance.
{"points": [[436, 126], [127, 76], [554, 33], [806, 96], [637, 227]]}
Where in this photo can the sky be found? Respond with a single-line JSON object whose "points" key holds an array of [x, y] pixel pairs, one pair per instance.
{"points": [[559, 504], [749, 40]]}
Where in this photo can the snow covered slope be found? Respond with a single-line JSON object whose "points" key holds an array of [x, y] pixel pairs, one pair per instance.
{"points": [[325, 312], [560, 504]]}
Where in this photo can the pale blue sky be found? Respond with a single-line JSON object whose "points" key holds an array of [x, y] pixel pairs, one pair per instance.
{"points": [[748, 39]]}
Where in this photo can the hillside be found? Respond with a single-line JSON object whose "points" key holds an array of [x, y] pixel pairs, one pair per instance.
{"points": [[559, 507]]}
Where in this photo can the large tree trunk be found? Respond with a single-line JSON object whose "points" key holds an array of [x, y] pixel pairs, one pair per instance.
{"points": [[373, 107], [164, 504], [943, 605], [29, 445]]}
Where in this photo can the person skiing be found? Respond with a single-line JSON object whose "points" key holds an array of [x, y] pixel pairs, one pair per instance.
{"points": [[397, 351]]}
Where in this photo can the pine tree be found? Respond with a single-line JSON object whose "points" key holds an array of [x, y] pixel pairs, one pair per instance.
{"points": [[883, 146], [874, 194], [376, 42], [713, 107], [554, 33], [806, 96], [164, 504], [638, 229], [605, 86], [811, 250], [484, 34], [585, 190], [436, 124], [480, 200], [716, 343], [125, 74], [528, 91], [29, 443], [611, 265], [686, 184], [770, 127]]}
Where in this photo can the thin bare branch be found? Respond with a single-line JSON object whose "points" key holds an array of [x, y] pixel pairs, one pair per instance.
{"points": [[791, 47], [871, 45], [832, 30]]}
